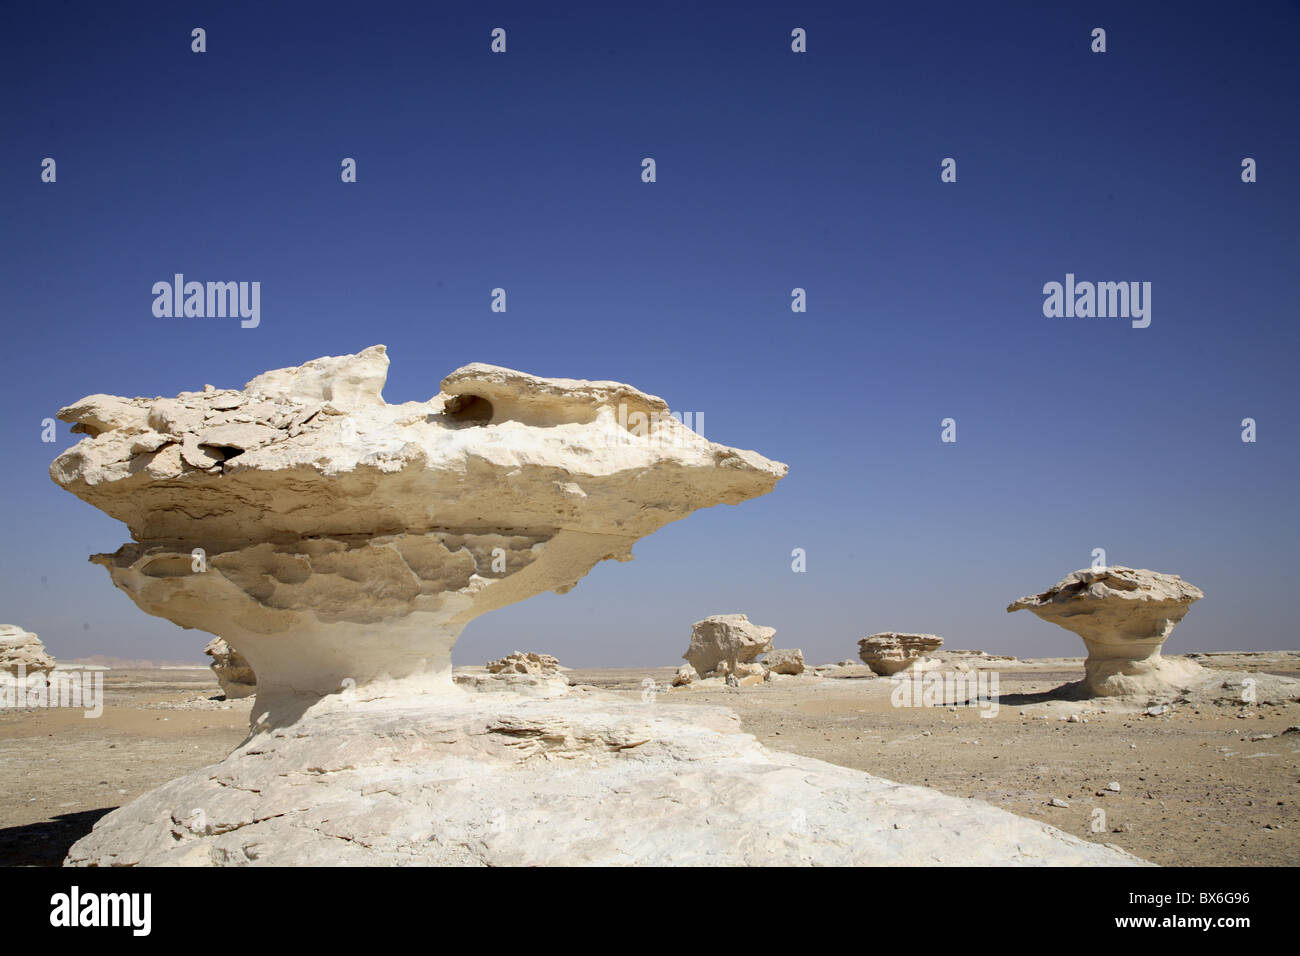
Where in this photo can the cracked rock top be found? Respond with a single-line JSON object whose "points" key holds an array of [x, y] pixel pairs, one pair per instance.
{"points": [[315, 450]]}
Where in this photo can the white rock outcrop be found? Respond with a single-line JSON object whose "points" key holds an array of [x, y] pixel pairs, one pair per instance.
{"points": [[890, 652], [524, 663], [234, 674], [340, 544], [722, 643], [347, 542], [1124, 616], [23, 654], [784, 661], [581, 779]]}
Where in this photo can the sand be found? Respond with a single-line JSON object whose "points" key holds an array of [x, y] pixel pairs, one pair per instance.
{"points": [[1195, 789]]}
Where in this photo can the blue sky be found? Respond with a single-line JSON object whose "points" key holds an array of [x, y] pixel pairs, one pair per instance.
{"points": [[775, 170]]}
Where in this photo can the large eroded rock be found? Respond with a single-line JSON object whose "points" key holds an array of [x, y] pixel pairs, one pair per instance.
{"points": [[1124, 616], [347, 542], [722, 642], [582, 779]]}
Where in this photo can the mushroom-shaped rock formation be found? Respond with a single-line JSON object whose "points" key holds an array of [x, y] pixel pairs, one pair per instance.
{"points": [[722, 642], [340, 544], [235, 676], [1124, 616], [22, 655], [336, 541], [890, 652]]}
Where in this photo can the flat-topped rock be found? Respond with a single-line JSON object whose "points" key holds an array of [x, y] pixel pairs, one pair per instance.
{"points": [[890, 651]]}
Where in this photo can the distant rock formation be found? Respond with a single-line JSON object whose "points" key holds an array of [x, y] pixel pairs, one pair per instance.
{"points": [[1124, 616], [722, 643], [234, 674], [22, 653], [784, 661], [521, 663], [889, 652]]}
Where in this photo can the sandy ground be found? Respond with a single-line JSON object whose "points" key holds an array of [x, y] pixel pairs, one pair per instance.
{"points": [[1195, 788]]}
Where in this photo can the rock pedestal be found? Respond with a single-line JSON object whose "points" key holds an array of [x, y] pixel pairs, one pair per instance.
{"points": [[1124, 616]]}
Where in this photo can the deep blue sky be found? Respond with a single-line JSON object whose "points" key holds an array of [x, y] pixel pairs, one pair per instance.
{"points": [[775, 170]]}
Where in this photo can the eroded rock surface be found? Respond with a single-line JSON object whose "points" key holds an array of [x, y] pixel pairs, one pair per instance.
{"points": [[1124, 616], [340, 544], [890, 652], [785, 661], [22, 653], [234, 674], [347, 542], [582, 779], [723, 643]]}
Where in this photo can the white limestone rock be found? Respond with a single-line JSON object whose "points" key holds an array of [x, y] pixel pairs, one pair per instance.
{"points": [[890, 652], [578, 780], [1124, 616], [348, 542], [22, 654], [784, 661], [343, 557], [521, 663], [722, 642]]}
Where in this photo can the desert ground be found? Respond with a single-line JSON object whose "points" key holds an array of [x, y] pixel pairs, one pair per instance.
{"points": [[1213, 785]]}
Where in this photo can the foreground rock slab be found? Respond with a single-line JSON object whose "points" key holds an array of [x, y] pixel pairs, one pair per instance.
{"points": [[580, 780], [1124, 616]]}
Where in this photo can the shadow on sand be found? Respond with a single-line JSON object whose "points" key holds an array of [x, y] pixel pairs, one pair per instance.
{"points": [[48, 842]]}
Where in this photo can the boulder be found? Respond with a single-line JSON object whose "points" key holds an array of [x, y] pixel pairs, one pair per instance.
{"points": [[234, 674], [1124, 616], [686, 674], [785, 661], [719, 644], [889, 652]]}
